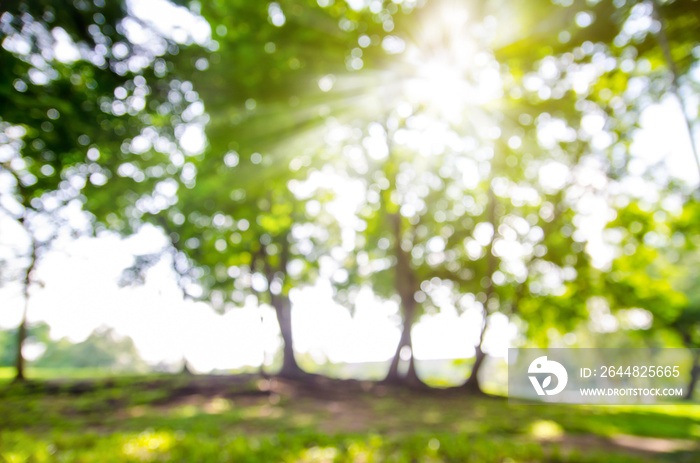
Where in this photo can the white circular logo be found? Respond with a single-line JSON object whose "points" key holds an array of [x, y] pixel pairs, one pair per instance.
{"points": [[542, 365]]}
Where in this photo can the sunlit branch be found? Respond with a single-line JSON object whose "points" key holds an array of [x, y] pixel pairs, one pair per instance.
{"points": [[674, 87]]}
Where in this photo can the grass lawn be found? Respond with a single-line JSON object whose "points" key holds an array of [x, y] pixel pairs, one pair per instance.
{"points": [[250, 419]]}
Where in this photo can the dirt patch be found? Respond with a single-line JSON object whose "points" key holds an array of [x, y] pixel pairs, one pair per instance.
{"points": [[621, 443]]}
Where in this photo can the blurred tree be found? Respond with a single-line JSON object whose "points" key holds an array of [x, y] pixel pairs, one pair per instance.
{"points": [[249, 219], [104, 348], [652, 57], [654, 271], [37, 333], [685, 254], [84, 99], [618, 59], [471, 179]]}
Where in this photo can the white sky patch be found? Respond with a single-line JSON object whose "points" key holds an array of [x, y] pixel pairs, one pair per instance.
{"points": [[172, 21], [356, 5], [192, 139], [446, 336], [276, 15], [81, 294], [554, 175], [664, 138], [326, 82], [64, 49], [499, 336], [322, 326], [592, 123]]}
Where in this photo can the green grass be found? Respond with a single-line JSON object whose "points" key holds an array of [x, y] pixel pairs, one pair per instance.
{"points": [[8, 373], [181, 418]]}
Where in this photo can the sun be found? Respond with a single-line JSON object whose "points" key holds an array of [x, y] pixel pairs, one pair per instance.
{"points": [[447, 68]]}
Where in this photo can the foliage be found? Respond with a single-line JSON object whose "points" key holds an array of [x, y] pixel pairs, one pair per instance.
{"points": [[78, 94], [82, 122], [103, 349], [36, 334], [655, 269]]}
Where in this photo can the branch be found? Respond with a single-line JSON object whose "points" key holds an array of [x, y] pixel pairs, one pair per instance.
{"points": [[675, 75]]}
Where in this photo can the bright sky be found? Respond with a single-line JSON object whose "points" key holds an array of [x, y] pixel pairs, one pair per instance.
{"points": [[81, 291], [81, 294]]}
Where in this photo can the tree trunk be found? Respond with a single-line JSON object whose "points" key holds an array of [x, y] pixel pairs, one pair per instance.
{"points": [[21, 336], [411, 374], [393, 374], [22, 329], [406, 287], [283, 309], [185, 368], [405, 341], [694, 375], [472, 383]]}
